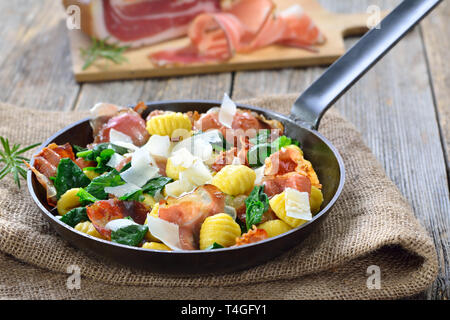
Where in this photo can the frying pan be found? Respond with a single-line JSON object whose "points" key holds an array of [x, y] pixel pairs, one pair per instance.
{"points": [[302, 125]]}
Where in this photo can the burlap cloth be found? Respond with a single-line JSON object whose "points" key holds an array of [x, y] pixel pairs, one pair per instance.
{"points": [[371, 224]]}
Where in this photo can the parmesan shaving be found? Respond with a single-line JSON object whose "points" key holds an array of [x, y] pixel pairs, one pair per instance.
{"points": [[117, 224], [158, 146], [115, 160], [141, 169], [165, 231], [227, 111], [121, 139], [297, 204]]}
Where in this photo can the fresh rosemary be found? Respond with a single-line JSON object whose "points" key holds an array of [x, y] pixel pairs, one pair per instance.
{"points": [[101, 49], [12, 160]]}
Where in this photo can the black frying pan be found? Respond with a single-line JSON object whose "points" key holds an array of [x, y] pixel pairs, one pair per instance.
{"points": [[302, 125]]}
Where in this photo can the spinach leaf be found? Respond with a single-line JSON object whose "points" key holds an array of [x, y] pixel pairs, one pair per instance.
{"points": [[92, 154], [75, 216], [156, 184], [130, 235], [68, 176], [136, 196], [284, 141], [98, 185], [215, 245], [257, 154], [85, 197], [255, 205]]}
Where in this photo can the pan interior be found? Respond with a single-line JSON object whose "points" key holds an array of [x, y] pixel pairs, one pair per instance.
{"points": [[317, 149]]}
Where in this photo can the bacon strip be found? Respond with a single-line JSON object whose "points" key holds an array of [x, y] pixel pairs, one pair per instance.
{"points": [[246, 26]]}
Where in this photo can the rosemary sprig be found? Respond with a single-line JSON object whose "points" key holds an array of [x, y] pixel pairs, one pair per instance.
{"points": [[100, 49], [12, 159]]}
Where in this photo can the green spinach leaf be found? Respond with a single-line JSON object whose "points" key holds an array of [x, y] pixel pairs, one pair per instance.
{"points": [[98, 185], [131, 235], [75, 216], [85, 197], [68, 176], [255, 205], [156, 184]]}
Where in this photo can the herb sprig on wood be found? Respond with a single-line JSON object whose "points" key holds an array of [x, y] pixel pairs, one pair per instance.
{"points": [[12, 160], [101, 49]]}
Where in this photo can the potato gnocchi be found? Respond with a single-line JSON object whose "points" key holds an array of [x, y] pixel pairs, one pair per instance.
{"points": [[183, 181]]}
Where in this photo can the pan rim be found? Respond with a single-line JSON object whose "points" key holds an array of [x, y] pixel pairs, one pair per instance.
{"points": [[193, 252]]}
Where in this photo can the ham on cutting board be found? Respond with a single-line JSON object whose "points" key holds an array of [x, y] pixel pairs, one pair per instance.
{"points": [[333, 26], [139, 22]]}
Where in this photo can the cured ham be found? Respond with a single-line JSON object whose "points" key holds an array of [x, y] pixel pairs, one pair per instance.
{"points": [[277, 184], [104, 211], [189, 212], [244, 27], [139, 22], [126, 121], [290, 160]]}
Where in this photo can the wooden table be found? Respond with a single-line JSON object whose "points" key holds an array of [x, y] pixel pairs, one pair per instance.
{"points": [[402, 106]]}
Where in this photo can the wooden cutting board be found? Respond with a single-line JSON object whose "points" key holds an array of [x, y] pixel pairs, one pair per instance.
{"points": [[334, 26]]}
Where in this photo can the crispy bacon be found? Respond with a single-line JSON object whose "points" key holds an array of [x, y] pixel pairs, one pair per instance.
{"points": [[189, 212], [104, 211], [244, 27], [47, 184], [276, 184], [252, 236]]}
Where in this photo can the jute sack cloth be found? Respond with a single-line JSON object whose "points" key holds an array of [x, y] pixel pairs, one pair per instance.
{"points": [[370, 225]]}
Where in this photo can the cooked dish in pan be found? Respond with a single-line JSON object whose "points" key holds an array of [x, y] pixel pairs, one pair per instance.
{"points": [[181, 181]]}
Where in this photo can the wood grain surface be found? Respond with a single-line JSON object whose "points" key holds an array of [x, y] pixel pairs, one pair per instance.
{"points": [[401, 106]]}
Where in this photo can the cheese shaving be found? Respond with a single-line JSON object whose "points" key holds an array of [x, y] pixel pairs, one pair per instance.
{"points": [[141, 169], [165, 231], [121, 139], [117, 224], [158, 146], [227, 111], [297, 204]]}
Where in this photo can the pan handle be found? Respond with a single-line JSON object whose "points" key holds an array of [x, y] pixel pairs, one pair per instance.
{"points": [[309, 108]]}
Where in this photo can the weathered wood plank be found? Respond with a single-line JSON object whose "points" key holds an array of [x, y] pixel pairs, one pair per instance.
{"points": [[209, 87], [35, 59], [393, 108], [436, 36]]}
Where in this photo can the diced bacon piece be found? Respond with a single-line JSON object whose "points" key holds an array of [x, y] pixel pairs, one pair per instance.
{"points": [[189, 212], [104, 211], [139, 22], [252, 236], [129, 123], [246, 26], [276, 184]]}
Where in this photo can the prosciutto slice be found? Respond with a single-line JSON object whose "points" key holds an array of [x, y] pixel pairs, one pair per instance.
{"points": [[189, 212], [139, 22], [244, 27]]}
